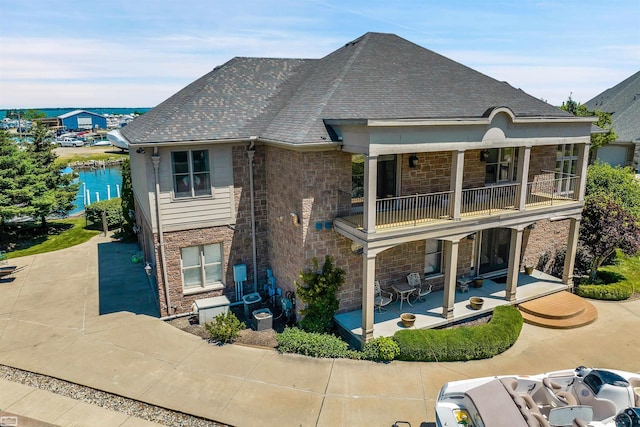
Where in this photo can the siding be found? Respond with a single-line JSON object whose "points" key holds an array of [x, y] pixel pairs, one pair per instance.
{"points": [[218, 209]]}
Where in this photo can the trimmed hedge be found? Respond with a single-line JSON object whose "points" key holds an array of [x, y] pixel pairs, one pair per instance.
{"points": [[294, 340], [613, 292], [464, 343], [112, 207]]}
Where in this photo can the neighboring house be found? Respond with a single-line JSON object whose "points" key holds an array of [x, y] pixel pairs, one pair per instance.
{"points": [[623, 103], [383, 154], [82, 120]]}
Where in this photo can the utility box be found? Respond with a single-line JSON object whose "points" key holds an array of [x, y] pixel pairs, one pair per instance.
{"points": [[263, 319], [209, 308]]}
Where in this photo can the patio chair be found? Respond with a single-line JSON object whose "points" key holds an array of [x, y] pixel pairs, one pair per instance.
{"points": [[381, 298], [421, 289]]}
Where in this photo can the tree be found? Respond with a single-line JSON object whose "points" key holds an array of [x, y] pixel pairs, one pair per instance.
{"points": [[618, 183], [14, 165], [604, 122], [128, 205], [318, 291], [607, 226], [52, 192]]}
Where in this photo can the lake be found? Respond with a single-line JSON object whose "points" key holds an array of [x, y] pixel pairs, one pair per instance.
{"points": [[96, 184]]}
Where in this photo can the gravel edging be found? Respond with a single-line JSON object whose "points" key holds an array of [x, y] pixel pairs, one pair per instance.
{"points": [[105, 400]]}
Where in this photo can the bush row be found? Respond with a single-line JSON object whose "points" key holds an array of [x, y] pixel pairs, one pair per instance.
{"points": [[112, 207], [464, 343], [294, 340], [613, 292]]}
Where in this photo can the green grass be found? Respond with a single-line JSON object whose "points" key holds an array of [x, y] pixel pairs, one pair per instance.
{"points": [[29, 239], [628, 268], [96, 153]]}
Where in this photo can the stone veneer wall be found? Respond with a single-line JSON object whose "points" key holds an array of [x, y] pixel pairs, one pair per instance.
{"points": [[540, 244], [236, 238], [543, 158]]}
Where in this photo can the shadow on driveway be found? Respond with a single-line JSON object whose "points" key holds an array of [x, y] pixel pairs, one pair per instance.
{"points": [[122, 284]]}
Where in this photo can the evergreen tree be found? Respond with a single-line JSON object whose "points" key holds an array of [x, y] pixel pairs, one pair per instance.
{"points": [[52, 192], [128, 205], [14, 196]]}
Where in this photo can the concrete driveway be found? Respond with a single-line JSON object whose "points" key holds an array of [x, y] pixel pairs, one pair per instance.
{"points": [[50, 323]]}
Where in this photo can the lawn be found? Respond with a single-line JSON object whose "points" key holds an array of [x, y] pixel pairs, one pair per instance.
{"points": [[24, 239], [629, 270]]}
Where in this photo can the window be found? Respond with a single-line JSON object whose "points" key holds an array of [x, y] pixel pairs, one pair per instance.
{"points": [[566, 163], [202, 266], [433, 257], [191, 176], [501, 166]]}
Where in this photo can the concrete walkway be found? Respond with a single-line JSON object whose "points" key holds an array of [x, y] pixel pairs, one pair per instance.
{"points": [[50, 324]]}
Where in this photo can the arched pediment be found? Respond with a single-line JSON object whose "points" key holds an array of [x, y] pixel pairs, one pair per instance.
{"points": [[500, 118]]}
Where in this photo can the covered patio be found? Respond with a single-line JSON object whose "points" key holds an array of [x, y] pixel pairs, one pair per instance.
{"points": [[429, 312]]}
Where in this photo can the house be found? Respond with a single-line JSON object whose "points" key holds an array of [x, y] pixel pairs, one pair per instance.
{"points": [[387, 156], [82, 120], [623, 103]]}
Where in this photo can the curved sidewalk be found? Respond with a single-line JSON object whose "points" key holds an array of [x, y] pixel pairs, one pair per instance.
{"points": [[50, 324]]}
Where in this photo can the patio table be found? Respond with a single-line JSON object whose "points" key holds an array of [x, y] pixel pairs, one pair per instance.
{"points": [[404, 291]]}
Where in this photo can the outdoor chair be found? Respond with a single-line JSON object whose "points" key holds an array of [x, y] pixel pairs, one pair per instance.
{"points": [[381, 298], [421, 289]]}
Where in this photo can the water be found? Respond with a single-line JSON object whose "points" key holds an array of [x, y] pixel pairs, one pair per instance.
{"points": [[55, 112], [105, 182]]}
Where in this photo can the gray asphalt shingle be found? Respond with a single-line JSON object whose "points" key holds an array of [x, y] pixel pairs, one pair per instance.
{"points": [[377, 76]]}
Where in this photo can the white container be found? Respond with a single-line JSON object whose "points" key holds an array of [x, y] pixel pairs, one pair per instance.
{"points": [[209, 308]]}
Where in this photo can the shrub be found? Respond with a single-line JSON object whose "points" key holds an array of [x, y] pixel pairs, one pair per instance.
{"points": [[608, 292], [318, 291], [294, 340], [224, 328], [112, 207], [464, 343], [383, 349]]}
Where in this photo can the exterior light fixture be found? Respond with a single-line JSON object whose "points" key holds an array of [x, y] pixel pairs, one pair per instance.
{"points": [[147, 269], [413, 160], [484, 155]]}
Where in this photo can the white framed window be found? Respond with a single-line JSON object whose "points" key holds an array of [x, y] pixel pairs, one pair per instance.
{"points": [[202, 267], [501, 165], [433, 257], [566, 164], [191, 173]]}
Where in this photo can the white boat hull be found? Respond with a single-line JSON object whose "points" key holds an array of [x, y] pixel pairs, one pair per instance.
{"points": [[117, 140], [596, 397]]}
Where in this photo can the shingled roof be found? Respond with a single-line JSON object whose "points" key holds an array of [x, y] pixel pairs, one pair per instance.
{"points": [[377, 76], [623, 102]]}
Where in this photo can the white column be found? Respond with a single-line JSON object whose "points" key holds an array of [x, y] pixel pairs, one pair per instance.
{"points": [[450, 276], [581, 170], [457, 169], [572, 249], [524, 159], [370, 193], [515, 248], [368, 277]]}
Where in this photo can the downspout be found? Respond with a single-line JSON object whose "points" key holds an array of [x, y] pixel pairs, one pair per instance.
{"points": [[155, 159], [250, 153]]}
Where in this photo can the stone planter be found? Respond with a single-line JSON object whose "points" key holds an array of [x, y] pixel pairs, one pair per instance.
{"points": [[408, 319], [528, 270], [477, 282], [476, 303]]}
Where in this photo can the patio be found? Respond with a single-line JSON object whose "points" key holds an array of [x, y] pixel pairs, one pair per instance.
{"points": [[429, 312]]}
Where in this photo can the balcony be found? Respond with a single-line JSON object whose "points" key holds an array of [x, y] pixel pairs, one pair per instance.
{"points": [[423, 209]]}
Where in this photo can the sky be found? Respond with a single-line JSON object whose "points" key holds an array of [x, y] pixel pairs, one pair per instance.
{"points": [[137, 53]]}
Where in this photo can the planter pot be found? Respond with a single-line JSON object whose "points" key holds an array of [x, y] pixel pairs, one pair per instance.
{"points": [[408, 319], [477, 283], [476, 303], [528, 270]]}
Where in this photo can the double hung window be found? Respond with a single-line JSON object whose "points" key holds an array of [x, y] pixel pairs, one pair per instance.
{"points": [[433, 257], [201, 266], [191, 173]]}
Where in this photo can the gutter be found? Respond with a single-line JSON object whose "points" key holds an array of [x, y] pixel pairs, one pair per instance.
{"points": [[250, 154], [155, 159]]}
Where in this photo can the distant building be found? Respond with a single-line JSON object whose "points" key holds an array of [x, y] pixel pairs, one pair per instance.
{"points": [[623, 102], [82, 120]]}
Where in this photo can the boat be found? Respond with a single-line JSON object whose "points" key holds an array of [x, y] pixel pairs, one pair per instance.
{"points": [[117, 140], [581, 397]]}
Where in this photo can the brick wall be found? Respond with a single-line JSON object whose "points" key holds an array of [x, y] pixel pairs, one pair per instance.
{"points": [[543, 241], [542, 159]]}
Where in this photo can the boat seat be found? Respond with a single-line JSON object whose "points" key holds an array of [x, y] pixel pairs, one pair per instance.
{"points": [[558, 396]]}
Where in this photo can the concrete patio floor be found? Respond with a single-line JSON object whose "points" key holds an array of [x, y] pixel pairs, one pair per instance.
{"points": [[429, 312]]}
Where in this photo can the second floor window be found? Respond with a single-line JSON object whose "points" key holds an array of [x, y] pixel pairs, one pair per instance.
{"points": [[501, 165], [191, 173]]}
